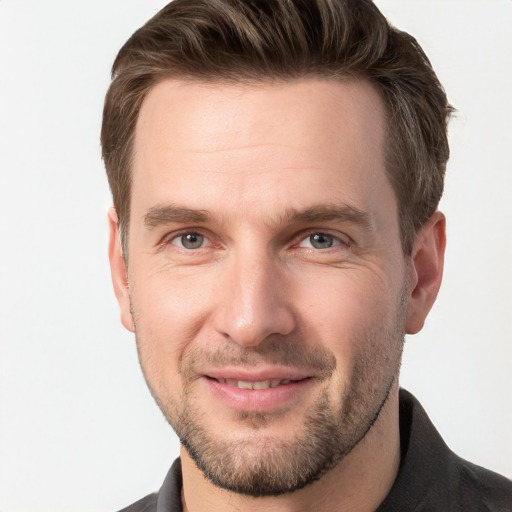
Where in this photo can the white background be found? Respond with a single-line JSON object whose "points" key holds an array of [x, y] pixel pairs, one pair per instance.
{"points": [[78, 428]]}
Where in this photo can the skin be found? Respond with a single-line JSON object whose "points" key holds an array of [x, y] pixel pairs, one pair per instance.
{"points": [[264, 161]]}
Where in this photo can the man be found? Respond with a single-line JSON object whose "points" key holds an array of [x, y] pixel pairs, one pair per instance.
{"points": [[276, 168]]}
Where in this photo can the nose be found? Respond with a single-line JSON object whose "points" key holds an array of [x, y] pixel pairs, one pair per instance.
{"points": [[252, 303]]}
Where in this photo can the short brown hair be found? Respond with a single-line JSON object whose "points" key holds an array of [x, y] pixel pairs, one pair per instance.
{"points": [[282, 40]]}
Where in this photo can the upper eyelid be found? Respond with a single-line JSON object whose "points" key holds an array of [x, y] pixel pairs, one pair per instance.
{"points": [[199, 230], [168, 238], [342, 237]]}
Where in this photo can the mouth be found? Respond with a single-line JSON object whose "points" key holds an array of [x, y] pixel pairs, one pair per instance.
{"points": [[261, 384], [257, 393]]}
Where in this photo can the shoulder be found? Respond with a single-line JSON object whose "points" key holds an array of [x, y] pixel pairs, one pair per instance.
{"points": [[432, 477], [168, 498], [480, 485], [147, 504]]}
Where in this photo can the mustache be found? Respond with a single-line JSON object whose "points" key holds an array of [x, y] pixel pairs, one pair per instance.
{"points": [[273, 351]]}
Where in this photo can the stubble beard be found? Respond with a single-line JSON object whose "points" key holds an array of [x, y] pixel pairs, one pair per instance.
{"points": [[265, 467], [259, 465]]}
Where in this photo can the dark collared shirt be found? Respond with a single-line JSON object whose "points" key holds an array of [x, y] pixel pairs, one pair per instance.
{"points": [[431, 478]]}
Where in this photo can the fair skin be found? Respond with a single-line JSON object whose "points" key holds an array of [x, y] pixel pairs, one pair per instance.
{"points": [[264, 250]]}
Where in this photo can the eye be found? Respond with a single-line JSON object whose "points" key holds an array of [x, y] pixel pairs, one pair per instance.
{"points": [[189, 241], [320, 241]]}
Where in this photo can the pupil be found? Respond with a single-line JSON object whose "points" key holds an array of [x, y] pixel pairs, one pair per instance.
{"points": [[192, 241], [321, 241]]}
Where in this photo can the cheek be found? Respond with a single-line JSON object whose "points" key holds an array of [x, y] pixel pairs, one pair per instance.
{"points": [[169, 301], [168, 311], [352, 316], [344, 301], [364, 332]]}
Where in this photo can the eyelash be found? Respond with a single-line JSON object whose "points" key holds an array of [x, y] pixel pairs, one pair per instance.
{"points": [[178, 236], [338, 241]]}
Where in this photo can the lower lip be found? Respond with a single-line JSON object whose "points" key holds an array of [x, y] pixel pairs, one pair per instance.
{"points": [[256, 400]]}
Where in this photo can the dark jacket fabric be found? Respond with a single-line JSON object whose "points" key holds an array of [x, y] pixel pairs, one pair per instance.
{"points": [[431, 478]]}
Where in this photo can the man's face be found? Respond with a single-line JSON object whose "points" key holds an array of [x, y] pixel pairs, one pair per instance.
{"points": [[266, 279]]}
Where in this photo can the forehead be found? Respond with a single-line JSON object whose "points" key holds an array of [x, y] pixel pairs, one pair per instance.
{"points": [[275, 144], [218, 115]]}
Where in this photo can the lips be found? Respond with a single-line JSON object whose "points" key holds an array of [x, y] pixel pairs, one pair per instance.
{"points": [[261, 384], [271, 374], [261, 391]]}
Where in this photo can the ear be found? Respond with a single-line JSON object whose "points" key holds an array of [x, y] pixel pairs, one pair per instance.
{"points": [[118, 271], [425, 271]]}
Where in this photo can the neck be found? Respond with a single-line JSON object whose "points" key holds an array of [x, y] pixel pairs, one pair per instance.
{"points": [[359, 483]]}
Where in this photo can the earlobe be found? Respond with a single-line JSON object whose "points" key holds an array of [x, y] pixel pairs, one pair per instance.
{"points": [[425, 271], [118, 271]]}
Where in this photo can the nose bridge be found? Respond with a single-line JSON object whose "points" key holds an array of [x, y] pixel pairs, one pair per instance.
{"points": [[252, 305]]}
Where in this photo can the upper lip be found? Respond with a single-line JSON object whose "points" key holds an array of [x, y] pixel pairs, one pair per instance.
{"points": [[257, 375]]}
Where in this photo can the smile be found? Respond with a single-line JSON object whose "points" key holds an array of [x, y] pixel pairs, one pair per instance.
{"points": [[257, 394], [262, 384]]}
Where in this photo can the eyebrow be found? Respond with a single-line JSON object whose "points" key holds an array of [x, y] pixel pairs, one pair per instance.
{"points": [[157, 216], [160, 215], [328, 212]]}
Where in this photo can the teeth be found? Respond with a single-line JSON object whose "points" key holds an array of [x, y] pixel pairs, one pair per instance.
{"points": [[263, 384], [246, 385]]}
